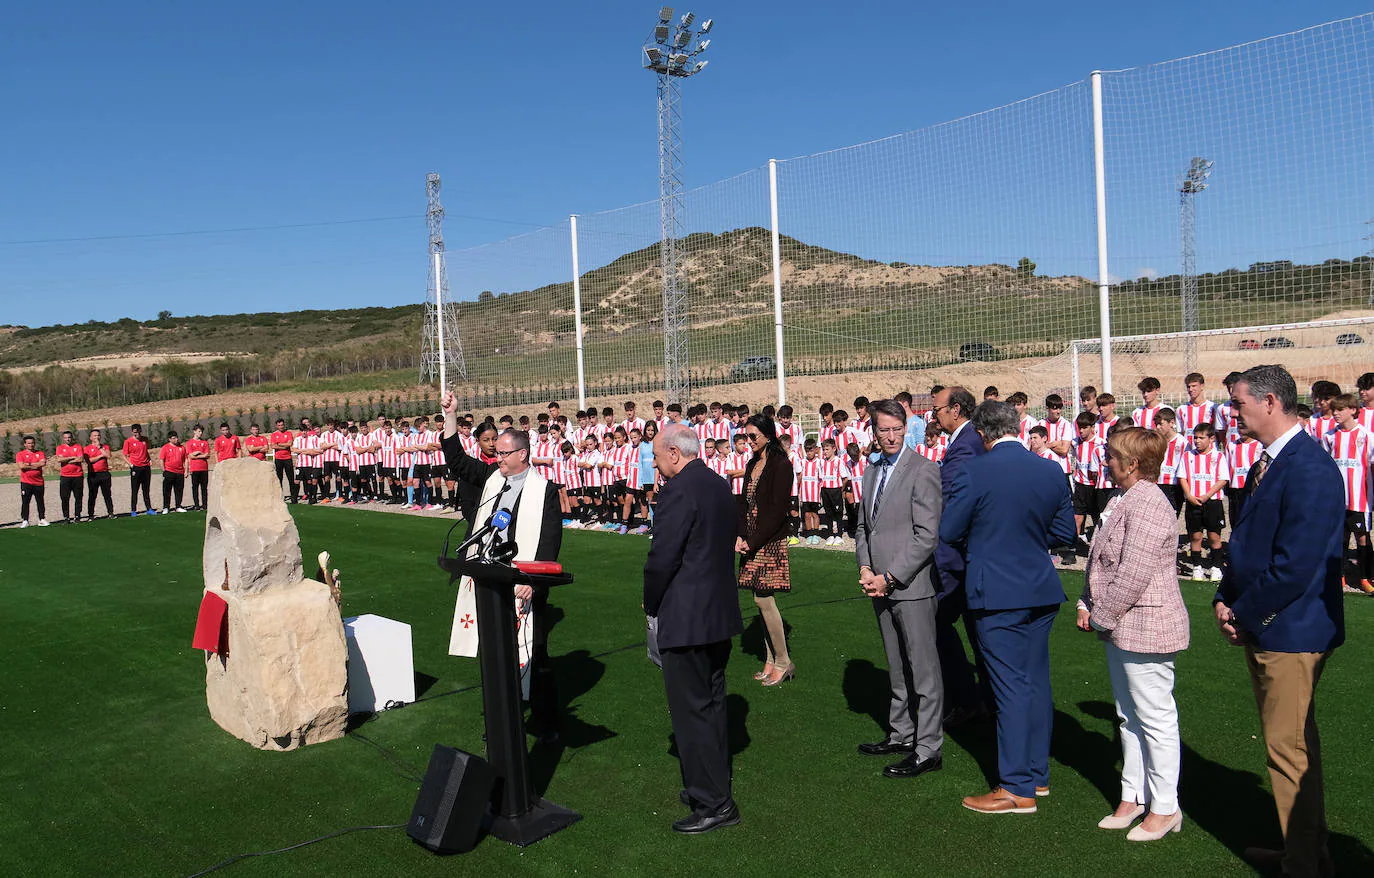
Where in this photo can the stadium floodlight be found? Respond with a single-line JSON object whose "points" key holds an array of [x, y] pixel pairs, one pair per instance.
{"points": [[706, 28], [1196, 178], [671, 64], [1194, 181]]}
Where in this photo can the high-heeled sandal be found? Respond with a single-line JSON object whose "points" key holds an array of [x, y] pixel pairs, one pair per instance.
{"points": [[787, 674], [765, 673]]}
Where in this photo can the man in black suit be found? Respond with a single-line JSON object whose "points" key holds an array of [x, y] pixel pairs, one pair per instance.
{"points": [[965, 699], [690, 586]]}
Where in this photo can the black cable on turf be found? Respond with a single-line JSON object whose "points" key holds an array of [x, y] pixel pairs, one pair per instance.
{"points": [[236, 858]]}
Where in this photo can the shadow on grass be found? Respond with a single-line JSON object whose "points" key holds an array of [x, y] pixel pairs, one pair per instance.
{"points": [[575, 673], [866, 691], [1093, 755], [752, 641], [423, 683]]}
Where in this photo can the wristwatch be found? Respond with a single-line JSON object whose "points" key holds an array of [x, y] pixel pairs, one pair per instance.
{"points": [[891, 582]]}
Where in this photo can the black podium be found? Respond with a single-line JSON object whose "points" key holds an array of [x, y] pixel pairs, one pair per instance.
{"points": [[518, 815]]}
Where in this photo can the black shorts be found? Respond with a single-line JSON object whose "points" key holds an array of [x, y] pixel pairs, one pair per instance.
{"points": [[1208, 517], [420, 471], [305, 473], [1174, 493], [1355, 523], [331, 468], [811, 508], [1084, 499], [369, 471]]}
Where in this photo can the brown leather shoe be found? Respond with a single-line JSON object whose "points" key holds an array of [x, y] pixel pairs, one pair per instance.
{"points": [[1042, 792], [999, 801]]}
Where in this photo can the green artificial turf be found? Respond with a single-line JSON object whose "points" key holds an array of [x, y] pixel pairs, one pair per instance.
{"points": [[112, 766]]}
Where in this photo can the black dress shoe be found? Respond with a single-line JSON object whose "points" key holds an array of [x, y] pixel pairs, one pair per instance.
{"points": [[914, 766], [727, 815], [885, 748]]}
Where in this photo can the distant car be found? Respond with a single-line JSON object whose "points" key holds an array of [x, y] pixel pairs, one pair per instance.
{"points": [[751, 368], [1349, 338], [978, 350], [1277, 341], [1249, 344]]}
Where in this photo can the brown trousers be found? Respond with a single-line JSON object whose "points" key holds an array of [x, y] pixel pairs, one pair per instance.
{"points": [[1285, 685]]}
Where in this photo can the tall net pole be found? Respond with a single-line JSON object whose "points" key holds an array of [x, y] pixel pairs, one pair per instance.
{"points": [[1193, 182], [441, 345], [670, 53]]}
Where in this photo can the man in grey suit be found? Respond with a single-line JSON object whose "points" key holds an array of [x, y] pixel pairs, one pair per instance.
{"points": [[895, 544]]}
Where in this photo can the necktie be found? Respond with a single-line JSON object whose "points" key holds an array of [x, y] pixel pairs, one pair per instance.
{"points": [[1257, 474], [884, 467]]}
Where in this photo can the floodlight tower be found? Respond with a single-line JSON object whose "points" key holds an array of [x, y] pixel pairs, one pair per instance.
{"points": [[1194, 181], [671, 53], [441, 346]]}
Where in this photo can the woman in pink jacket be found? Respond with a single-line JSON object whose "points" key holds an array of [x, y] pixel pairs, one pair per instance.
{"points": [[1131, 598]]}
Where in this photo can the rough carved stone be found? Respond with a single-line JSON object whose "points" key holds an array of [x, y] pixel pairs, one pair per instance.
{"points": [[283, 683]]}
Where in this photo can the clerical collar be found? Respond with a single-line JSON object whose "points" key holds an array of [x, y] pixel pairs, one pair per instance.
{"points": [[514, 485]]}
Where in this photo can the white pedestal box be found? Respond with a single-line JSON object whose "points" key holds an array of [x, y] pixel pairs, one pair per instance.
{"points": [[381, 666]]}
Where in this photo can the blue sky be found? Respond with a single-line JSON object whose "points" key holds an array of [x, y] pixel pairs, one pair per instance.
{"points": [[126, 123]]}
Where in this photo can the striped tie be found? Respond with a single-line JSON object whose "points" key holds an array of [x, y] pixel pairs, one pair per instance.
{"points": [[1257, 474]]}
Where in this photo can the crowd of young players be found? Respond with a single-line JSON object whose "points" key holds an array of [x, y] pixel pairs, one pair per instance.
{"points": [[602, 461]]}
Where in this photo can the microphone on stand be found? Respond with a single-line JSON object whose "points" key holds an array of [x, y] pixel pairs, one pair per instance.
{"points": [[484, 529]]}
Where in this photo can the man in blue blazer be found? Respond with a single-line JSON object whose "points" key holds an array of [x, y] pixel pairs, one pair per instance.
{"points": [[1007, 510], [965, 699], [1280, 597]]}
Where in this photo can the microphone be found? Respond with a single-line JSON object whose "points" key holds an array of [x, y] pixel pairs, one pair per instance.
{"points": [[499, 521], [468, 542]]}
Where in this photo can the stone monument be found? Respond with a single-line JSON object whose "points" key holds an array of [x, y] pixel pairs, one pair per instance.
{"points": [[283, 681]]}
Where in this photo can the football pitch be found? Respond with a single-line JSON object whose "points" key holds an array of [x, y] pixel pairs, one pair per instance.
{"points": [[112, 766]]}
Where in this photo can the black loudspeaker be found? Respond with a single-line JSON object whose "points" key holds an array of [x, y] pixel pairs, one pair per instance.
{"points": [[452, 802]]}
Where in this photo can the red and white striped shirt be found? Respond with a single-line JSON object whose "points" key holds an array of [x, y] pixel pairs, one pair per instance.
{"points": [[399, 442], [1027, 422], [546, 450], [936, 453], [1060, 430], [1317, 427], [737, 462], [854, 471], [798, 435], [589, 462], [331, 455], [620, 458], [1173, 456], [809, 480], [1351, 450], [1102, 475], [468, 444], [1103, 427], [831, 472], [796, 460], [1083, 461], [565, 472], [347, 459], [717, 464], [1189, 416], [633, 424], [827, 432], [387, 448], [306, 442], [852, 435], [1201, 471], [436, 457], [366, 458], [1366, 419], [1145, 417], [1241, 457], [1055, 459], [714, 430]]}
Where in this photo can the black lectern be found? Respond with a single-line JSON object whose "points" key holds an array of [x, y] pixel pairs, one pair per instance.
{"points": [[518, 815]]}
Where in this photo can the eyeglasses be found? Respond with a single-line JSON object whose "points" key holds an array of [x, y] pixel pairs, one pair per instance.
{"points": [[508, 453], [939, 408], [753, 437], [890, 431]]}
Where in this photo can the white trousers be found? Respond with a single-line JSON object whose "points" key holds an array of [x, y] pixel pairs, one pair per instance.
{"points": [[1143, 686]]}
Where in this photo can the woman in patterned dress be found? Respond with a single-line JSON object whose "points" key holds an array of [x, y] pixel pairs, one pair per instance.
{"points": [[762, 542]]}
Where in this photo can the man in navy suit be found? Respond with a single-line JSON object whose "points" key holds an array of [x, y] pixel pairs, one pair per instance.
{"points": [[965, 698], [1006, 511], [1280, 597], [690, 586]]}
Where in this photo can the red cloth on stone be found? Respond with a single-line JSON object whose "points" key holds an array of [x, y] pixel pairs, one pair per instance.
{"points": [[212, 625]]}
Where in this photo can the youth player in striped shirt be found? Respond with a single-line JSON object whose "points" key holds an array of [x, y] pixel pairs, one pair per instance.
{"points": [[1224, 418], [1149, 392], [1081, 460], [933, 448], [1364, 387], [329, 460], [306, 447], [1241, 457], [1166, 422], [1025, 422], [1197, 410], [1352, 446], [832, 490], [1059, 430], [809, 493], [1323, 419], [593, 477], [1039, 439], [737, 463], [1106, 416], [632, 421], [785, 426], [854, 464], [714, 458], [796, 460], [1204, 473]]}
